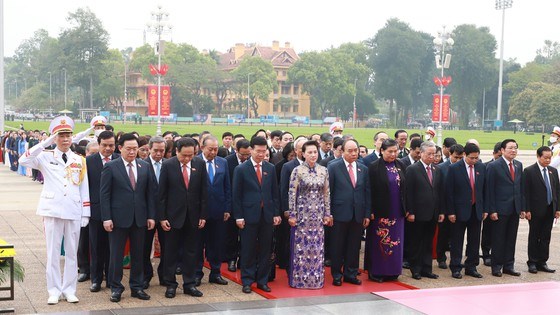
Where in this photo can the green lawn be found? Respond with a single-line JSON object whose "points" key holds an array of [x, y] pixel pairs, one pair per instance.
{"points": [[363, 135]]}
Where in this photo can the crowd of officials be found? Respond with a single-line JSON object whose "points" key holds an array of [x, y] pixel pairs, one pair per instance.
{"points": [[274, 200]]}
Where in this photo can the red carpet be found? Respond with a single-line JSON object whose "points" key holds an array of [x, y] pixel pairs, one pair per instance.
{"points": [[281, 289], [519, 298]]}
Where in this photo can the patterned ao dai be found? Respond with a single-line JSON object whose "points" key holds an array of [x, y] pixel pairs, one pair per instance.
{"points": [[309, 203]]}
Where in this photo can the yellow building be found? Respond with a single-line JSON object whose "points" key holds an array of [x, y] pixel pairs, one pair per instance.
{"points": [[288, 100]]}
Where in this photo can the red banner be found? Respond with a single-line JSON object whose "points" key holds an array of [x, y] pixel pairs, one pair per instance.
{"points": [[445, 109], [152, 99], [165, 100]]}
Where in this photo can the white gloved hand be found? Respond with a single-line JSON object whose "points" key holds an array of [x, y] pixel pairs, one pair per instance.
{"points": [[48, 142], [85, 221]]}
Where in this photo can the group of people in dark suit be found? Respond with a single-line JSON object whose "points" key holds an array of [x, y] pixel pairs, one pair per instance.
{"points": [[206, 202]]}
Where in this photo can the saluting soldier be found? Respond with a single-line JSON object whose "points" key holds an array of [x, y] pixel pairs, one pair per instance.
{"points": [[64, 205]]}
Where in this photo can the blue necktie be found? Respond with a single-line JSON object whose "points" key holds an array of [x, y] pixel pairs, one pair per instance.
{"points": [[547, 184], [210, 172], [158, 169]]}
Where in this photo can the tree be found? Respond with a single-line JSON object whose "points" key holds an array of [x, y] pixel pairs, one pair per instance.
{"points": [[473, 67], [544, 106], [549, 52], [398, 57], [261, 77]]}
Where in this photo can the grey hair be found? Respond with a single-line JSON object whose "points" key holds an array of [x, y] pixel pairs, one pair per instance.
{"points": [[156, 139], [426, 144], [91, 144], [298, 140]]}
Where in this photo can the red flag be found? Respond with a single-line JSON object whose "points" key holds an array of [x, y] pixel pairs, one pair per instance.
{"points": [[163, 69], [165, 100], [153, 69], [437, 81]]}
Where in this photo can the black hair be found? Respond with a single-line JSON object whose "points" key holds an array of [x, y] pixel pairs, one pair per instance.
{"points": [[276, 134], [399, 132], [448, 142], [414, 135], [471, 148], [127, 137], [338, 141], [456, 148], [105, 135], [258, 141], [288, 148], [227, 134], [388, 143], [415, 143], [505, 142], [497, 147], [242, 144], [185, 142], [109, 127], [543, 149], [309, 143], [326, 137]]}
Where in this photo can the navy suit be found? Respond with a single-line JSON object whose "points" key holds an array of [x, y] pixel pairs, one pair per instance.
{"points": [[129, 209], [372, 157], [183, 207], [232, 232], [349, 207], [444, 229], [505, 196], [214, 232], [98, 237], [468, 212], [257, 204]]}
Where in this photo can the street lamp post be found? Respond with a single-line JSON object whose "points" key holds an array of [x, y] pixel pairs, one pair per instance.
{"points": [[501, 5], [65, 88], [126, 60], [442, 62], [159, 27], [354, 111], [248, 92]]}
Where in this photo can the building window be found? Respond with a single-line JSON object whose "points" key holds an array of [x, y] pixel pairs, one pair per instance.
{"points": [[285, 89], [275, 106], [296, 90], [295, 107]]}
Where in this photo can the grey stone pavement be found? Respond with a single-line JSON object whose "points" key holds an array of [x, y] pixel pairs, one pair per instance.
{"points": [[19, 225]]}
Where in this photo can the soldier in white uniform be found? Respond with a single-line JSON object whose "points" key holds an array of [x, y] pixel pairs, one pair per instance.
{"points": [[64, 205], [97, 125], [555, 147]]}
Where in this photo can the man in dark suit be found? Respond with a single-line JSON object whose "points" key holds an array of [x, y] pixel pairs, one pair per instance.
{"points": [[282, 246], [351, 209], [219, 210], [256, 210], [378, 139], [445, 148], [456, 152], [182, 213], [155, 159], [486, 239], [401, 137], [325, 146], [98, 237], [424, 200], [541, 194], [464, 189], [413, 154], [127, 198], [276, 142], [227, 142], [505, 195], [337, 152], [243, 152]]}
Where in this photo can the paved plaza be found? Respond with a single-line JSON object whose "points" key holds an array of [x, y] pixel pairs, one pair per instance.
{"points": [[20, 226]]}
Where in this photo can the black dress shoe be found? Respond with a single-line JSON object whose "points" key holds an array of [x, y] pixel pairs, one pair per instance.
{"points": [[545, 268], [146, 285], [353, 280], [337, 282], [178, 271], [512, 272], [197, 282], [170, 292], [264, 287], [83, 277], [327, 263], [497, 273], [473, 273], [246, 289], [375, 278], [429, 275], [95, 287], [140, 294], [533, 269], [456, 275], [416, 275], [442, 265], [406, 265], [192, 291], [218, 280], [231, 266], [115, 296]]}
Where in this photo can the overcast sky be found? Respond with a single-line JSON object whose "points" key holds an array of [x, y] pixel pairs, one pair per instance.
{"points": [[306, 24]]}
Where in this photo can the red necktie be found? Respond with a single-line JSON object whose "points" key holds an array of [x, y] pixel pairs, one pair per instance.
{"points": [[471, 177], [351, 173], [131, 176], [429, 171], [186, 176], [511, 171], [105, 160], [259, 175]]}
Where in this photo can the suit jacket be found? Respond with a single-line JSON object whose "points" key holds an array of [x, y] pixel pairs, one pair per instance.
{"points": [[423, 199], [232, 162], [444, 168], [535, 190], [122, 204], [176, 202], [320, 156], [94, 169], [406, 161], [325, 162], [287, 170], [458, 190], [349, 202], [379, 181], [504, 195], [372, 157], [219, 191], [252, 200], [277, 157]]}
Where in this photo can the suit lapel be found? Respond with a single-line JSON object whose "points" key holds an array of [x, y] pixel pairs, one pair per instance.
{"points": [[124, 173], [180, 174], [505, 166]]}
